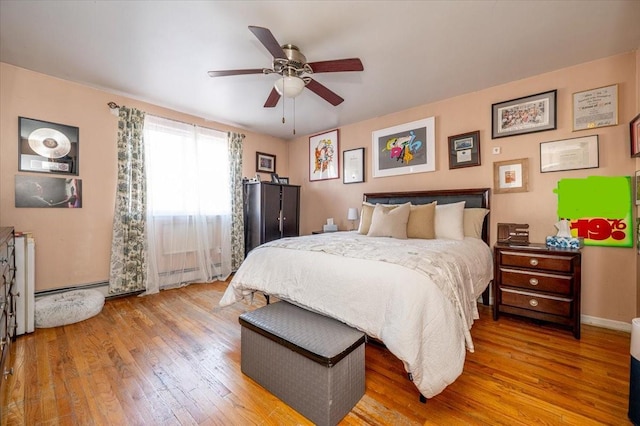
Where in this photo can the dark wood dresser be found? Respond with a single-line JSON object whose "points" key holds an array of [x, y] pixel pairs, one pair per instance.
{"points": [[538, 282], [7, 303]]}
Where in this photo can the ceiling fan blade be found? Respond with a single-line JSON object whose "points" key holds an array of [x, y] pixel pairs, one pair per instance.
{"points": [[338, 65], [235, 72], [273, 99], [324, 92], [269, 41]]}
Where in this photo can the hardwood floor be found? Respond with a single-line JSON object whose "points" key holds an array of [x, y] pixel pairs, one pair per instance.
{"points": [[174, 359]]}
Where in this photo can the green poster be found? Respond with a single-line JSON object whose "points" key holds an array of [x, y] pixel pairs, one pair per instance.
{"points": [[598, 208]]}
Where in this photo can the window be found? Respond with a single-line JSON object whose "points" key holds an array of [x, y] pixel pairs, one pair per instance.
{"points": [[187, 169]]}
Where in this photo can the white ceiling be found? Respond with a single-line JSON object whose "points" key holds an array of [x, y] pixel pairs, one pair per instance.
{"points": [[413, 52]]}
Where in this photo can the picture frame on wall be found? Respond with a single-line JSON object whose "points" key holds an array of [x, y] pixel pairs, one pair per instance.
{"points": [[634, 136], [324, 151], [511, 176], [464, 150], [265, 163], [353, 166], [47, 192], [569, 154], [404, 149], [529, 114], [595, 108], [47, 147]]}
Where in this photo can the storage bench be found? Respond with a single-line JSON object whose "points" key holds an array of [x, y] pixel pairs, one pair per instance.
{"points": [[313, 363]]}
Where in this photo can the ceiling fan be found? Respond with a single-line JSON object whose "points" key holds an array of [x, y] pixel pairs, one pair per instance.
{"points": [[292, 65]]}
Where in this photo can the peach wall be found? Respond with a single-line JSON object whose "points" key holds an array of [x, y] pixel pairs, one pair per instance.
{"points": [[609, 274], [73, 246]]}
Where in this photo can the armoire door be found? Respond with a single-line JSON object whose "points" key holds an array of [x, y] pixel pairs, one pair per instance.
{"points": [[290, 211], [270, 212]]}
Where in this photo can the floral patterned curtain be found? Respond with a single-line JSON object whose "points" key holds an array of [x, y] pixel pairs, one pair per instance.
{"points": [[128, 269], [237, 210]]}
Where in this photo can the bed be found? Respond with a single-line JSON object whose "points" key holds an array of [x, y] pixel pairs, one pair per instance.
{"points": [[416, 295]]}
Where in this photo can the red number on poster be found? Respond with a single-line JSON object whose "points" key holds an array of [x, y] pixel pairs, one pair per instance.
{"points": [[600, 229]]}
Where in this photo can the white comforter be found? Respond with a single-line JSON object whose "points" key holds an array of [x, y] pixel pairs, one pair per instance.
{"points": [[421, 304]]}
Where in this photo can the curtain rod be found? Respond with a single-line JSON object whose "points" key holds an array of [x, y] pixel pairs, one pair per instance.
{"points": [[112, 105]]}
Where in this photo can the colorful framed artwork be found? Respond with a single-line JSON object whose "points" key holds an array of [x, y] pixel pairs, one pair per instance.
{"points": [[353, 166], [595, 108], [637, 188], [47, 147], [569, 154], [634, 136], [511, 176], [403, 149], [265, 163], [47, 192], [323, 156], [464, 150], [529, 114]]}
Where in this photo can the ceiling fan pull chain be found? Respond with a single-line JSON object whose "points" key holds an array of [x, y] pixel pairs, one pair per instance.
{"points": [[294, 115], [283, 101]]}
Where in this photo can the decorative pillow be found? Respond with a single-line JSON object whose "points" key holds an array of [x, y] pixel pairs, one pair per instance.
{"points": [[366, 214], [390, 221], [449, 221], [473, 220], [422, 221]]}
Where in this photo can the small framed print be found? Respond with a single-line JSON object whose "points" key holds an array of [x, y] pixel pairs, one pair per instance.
{"points": [[511, 176], [464, 150], [637, 188], [283, 180], [595, 108], [353, 166], [47, 147], [265, 163]]}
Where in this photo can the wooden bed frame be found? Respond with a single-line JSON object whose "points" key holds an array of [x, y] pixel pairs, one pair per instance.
{"points": [[476, 197]]}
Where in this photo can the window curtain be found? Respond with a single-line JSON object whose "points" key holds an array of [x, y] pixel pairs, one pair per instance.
{"points": [[189, 204], [128, 267], [237, 199]]}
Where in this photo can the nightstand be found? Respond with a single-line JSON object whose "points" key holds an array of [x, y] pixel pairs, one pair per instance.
{"points": [[538, 282]]}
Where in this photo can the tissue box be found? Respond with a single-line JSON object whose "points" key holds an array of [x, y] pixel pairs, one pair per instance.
{"points": [[565, 242], [330, 228]]}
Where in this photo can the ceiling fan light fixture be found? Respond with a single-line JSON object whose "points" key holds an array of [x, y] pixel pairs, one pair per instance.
{"points": [[289, 86]]}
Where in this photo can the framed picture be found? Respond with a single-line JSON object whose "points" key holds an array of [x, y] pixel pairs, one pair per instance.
{"points": [[275, 178], [323, 156], [265, 163], [634, 136], [48, 192], [353, 166], [283, 180], [569, 154], [464, 150], [637, 189], [403, 149], [530, 114], [595, 108], [511, 176], [47, 147]]}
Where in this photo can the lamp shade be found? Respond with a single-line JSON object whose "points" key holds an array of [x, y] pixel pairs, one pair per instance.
{"points": [[352, 214], [289, 86]]}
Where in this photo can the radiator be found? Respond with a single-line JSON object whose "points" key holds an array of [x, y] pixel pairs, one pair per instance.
{"points": [[25, 284]]}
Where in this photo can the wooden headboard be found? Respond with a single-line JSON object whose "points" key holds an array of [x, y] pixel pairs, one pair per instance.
{"points": [[477, 197]]}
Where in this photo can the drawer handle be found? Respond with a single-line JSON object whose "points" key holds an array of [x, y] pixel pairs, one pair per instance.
{"points": [[533, 281], [533, 262], [533, 302]]}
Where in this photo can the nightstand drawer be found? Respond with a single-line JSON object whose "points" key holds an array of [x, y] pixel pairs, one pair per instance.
{"points": [[536, 302], [559, 284], [538, 262]]}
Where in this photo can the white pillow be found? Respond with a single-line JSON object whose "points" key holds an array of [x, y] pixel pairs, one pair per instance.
{"points": [[390, 221], [473, 221], [365, 216], [449, 221]]}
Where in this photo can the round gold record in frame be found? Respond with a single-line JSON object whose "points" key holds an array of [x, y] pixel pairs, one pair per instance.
{"points": [[47, 147], [49, 143]]}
